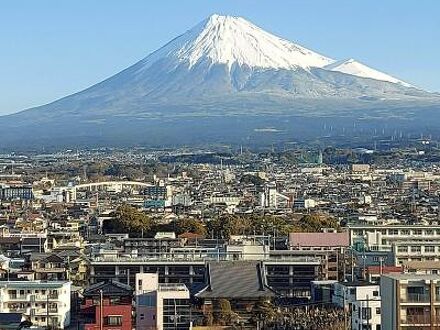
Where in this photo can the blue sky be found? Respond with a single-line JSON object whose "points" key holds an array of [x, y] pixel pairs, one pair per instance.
{"points": [[52, 48]]}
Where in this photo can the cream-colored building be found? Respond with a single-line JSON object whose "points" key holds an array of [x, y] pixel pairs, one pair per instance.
{"points": [[45, 304]]}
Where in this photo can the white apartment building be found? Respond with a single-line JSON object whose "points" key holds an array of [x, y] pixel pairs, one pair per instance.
{"points": [[45, 304], [363, 303], [161, 306], [408, 242]]}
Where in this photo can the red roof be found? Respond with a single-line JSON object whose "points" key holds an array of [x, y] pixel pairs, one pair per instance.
{"points": [[319, 239]]}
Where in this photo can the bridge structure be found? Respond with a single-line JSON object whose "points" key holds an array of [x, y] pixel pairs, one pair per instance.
{"points": [[116, 186]]}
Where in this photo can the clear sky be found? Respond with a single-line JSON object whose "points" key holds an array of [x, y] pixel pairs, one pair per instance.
{"points": [[52, 48]]}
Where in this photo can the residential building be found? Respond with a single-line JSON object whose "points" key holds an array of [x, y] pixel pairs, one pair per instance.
{"points": [[161, 306], [107, 306], [410, 301], [43, 303], [362, 301]]}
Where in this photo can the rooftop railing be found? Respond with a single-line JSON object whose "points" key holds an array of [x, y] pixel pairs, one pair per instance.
{"points": [[165, 257]]}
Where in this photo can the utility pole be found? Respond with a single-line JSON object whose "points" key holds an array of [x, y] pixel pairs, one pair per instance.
{"points": [[352, 265], [368, 312], [345, 309], [101, 310], [47, 309]]}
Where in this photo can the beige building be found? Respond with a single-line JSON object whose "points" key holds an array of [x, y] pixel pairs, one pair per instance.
{"points": [[410, 301]]}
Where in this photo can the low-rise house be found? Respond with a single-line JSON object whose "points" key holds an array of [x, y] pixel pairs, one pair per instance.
{"points": [[107, 306]]}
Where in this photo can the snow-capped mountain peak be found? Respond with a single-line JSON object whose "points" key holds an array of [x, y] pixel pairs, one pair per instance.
{"points": [[233, 40], [355, 68]]}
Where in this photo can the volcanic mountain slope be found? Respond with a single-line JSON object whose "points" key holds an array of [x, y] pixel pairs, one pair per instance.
{"points": [[224, 66]]}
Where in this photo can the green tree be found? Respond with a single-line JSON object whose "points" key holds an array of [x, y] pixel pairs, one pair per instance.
{"points": [[129, 219], [315, 222], [189, 225], [224, 314]]}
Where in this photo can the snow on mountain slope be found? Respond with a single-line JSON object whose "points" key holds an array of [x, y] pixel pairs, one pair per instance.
{"points": [[233, 40], [356, 68]]}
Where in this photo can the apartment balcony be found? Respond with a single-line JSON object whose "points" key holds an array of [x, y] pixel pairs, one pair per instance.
{"points": [[43, 311], [415, 298], [22, 310], [17, 298], [50, 270], [45, 297], [418, 319]]}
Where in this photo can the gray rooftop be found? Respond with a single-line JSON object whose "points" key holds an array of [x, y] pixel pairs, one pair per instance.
{"points": [[240, 279]]}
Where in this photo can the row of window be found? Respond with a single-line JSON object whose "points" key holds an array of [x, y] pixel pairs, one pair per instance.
{"points": [[429, 249], [402, 232], [24, 292]]}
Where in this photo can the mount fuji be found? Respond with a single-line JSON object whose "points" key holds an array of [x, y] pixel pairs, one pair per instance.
{"points": [[224, 80]]}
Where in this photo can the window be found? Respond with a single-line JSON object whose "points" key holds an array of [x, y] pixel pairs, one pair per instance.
{"points": [[429, 248], [139, 284], [402, 249], [416, 249], [405, 232], [417, 232], [393, 232], [376, 293], [378, 310], [416, 289], [113, 320], [366, 313], [429, 232]]}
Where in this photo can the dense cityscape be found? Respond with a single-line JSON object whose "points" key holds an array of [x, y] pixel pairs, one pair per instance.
{"points": [[173, 239]]}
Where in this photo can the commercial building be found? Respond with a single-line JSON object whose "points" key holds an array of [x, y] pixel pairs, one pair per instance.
{"points": [[13, 191], [407, 242]]}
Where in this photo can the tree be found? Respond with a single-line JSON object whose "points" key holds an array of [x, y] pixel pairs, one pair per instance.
{"points": [[264, 310], [129, 219], [224, 314], [315, 222], [189, 225], [225, 226]]}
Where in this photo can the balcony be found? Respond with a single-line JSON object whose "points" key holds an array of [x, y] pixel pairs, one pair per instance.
{"points": [[416, 298], [40, 311], [18, 297], [46, 297], [416, 319]]}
